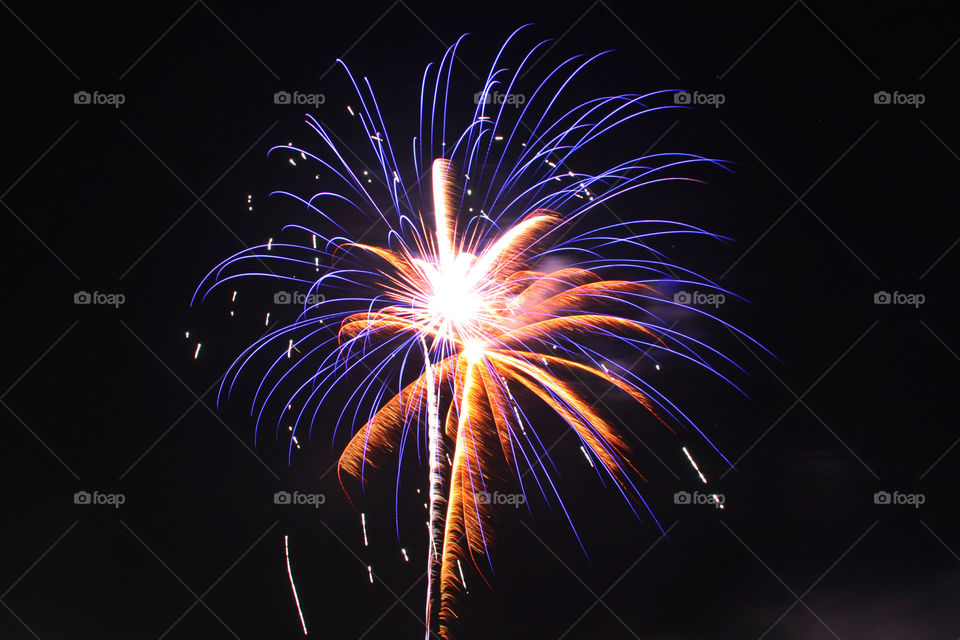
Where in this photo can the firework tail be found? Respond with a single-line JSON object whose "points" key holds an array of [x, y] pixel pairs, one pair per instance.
{"points": [[437, 518], [435, 522]]}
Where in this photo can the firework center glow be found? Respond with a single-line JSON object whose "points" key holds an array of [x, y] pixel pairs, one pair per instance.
{"points": [[473, 350], [454, 302]]}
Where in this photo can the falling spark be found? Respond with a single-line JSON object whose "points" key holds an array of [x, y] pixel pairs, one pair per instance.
{"points": [[586, 455], [363, 524], [370, 573], [293, 587], [234, 297], [463, 580], [266, 322], [197, 352], [695, 467], [289, 347], [350, 109], [188, 335]]}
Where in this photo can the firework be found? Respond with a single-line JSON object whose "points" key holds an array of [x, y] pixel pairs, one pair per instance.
{"points": [[489, 290]]}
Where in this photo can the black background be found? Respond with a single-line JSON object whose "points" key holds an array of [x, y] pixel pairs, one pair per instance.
{"points": [[833, 198]]}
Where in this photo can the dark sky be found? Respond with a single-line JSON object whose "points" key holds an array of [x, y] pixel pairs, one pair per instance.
{"points": [[833, 199]]}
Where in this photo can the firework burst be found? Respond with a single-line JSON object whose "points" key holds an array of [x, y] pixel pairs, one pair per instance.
{"points": [[490, 291]]}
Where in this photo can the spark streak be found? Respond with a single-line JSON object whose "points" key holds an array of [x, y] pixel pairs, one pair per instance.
{"points": [[293, 587], [694, 464]]}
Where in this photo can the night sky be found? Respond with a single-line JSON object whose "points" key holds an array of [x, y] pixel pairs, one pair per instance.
{"points": [[837, 194]]}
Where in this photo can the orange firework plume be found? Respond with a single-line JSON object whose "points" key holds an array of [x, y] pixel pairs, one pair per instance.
{"points": [[493, 288]]}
